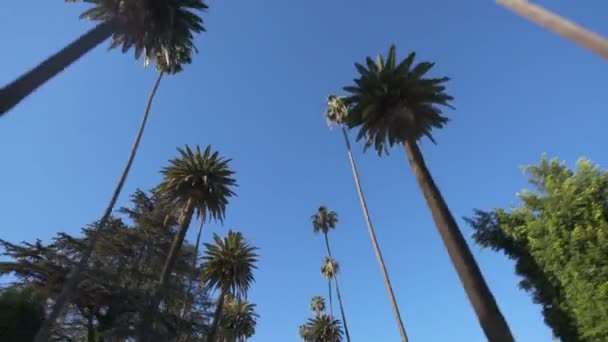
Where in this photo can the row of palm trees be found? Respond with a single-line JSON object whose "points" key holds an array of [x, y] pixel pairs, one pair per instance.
{"points": [[393, 102], [322, 327]]}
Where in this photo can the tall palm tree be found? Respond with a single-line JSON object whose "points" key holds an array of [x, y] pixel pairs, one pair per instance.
{"points": [[196, 182], [324, 328], [146, 26], [395, 103], [317, 305], [559, 25], [238, 320], [330, 270], [323, 221], [228, 266], [336, 114]]}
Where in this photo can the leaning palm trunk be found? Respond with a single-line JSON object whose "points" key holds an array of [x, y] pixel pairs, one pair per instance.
{"points": [[337, 292], [176, 246], [73, 278], [372, 235], [559, 25], [22, 87], [490, 318], [193, 273], [219, 308]]}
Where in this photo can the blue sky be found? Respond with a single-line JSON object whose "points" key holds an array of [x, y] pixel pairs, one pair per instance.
{"points": [[257, 91]]}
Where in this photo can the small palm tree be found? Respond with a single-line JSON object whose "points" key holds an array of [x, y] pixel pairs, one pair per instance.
{"points": [[228, 266], [330, 270], [305, 333], [151, 28], [195, 182], [317, 305], [324, 328], [394, 103], [336, 114], [238, 320]]}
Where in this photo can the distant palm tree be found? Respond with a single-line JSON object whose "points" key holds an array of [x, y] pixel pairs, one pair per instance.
{"points": [[305, 333], [330, 270], [317, 305], [394, 103], [238, 320], [194, 182], [336, 114], [324, 328], [228, 266], [323, 221], [151, 28]]}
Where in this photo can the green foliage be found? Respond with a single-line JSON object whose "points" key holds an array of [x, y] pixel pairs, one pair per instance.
{"points": [[558, 237], [21, 314], [121, 276], [317, 305], [229, 263], [238, 320], [330, 268], [324, 328], [202, 178], [324, 220], [394, 102], [161, 30]]}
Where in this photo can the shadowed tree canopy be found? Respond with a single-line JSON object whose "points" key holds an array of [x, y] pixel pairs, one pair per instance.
{"points": [[21, 314], [121, 276], [558, 238]]}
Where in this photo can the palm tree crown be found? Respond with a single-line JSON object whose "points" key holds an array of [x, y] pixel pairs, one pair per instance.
{"points": [[229, 264], [317, 305], [330, 268], [392, 103], [324, 220], [239, 319], [324, 329], [337, 110], [202, 178], [150, 27]]}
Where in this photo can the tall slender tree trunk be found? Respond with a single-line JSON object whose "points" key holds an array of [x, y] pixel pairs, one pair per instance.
{"points": [[372, 236], [16, 91], [74, 276], [331, 301], [491, 319], [558, 25], [193, 273], [337, 292], [176, 246], [219, 308]]}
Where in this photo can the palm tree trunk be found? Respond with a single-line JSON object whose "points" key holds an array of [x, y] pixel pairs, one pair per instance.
{"points": [[490, 318], [16, 91], [331, 301], [73, 278], [217, 315], [341, 308], [194, 259], [147, 320], [558, 25], [372, 236]]}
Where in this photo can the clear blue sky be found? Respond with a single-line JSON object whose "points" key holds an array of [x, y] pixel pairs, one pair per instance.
{"points": [[257, 93]]}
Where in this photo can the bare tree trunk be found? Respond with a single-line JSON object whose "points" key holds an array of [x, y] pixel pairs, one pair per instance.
{"points": [[372, 236], [192, 275], [26, 84], [217, 315], [490, 318], [342, 313], [74, 276], [558, 25]]}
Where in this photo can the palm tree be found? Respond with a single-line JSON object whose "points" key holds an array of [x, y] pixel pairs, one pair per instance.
{"points": [[559, 25], [181, 55], [324, 328], [395, 103], [238, 320], [151, 28], [323, 221], [228, 267], [330, 270], [194, 182], [336, 114], [305, 333], [317, 305]]}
